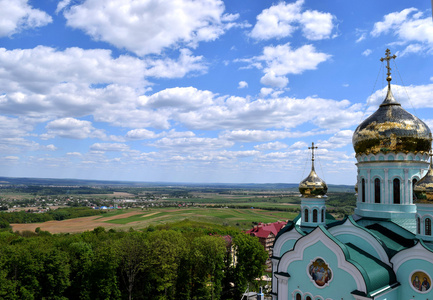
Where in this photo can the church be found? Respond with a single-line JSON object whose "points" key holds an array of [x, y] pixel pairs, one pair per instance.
{"points": [[384, 251]]}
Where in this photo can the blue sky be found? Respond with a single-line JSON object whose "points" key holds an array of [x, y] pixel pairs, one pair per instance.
{"points": [[202, 91]]}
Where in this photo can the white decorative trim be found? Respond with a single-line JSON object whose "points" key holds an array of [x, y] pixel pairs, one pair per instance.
{"points": [[416, 252], [282, 239], [348, 228], [309, 240]]}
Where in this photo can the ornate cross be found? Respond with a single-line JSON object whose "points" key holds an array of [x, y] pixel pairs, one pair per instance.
{"points": [[388, 58], [312, 150]]}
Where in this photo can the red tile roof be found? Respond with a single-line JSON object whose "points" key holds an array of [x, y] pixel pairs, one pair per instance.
{"points": [[263, 230]]}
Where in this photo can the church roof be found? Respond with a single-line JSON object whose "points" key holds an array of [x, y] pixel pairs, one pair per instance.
{"points": [[376, 274]]}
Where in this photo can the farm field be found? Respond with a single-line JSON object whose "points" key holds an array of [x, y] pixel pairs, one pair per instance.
{"points": [[138, 219]]}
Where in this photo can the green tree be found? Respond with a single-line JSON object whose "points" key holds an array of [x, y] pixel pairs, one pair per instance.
{"points": [[250, 260], [132, 254], [166, 250]]}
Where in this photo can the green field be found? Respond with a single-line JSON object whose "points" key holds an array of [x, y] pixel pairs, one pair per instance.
{"points": [[240, 218]]}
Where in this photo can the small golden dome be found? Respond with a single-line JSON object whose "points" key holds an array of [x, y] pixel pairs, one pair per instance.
{"points": [[313, 186], [423, 189]]}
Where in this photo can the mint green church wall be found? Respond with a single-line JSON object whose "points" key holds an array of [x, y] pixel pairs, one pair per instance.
{"points": [[287, 246], [340, 286], [404, 277]]}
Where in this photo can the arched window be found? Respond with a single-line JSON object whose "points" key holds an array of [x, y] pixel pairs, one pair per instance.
{"points": [[323, 215], [377, 190], [428, 226], [308, 298], [314, 215], [298, 297], [306, 215], [418, 225], [413, 186], [363, 189], [396, 189]]}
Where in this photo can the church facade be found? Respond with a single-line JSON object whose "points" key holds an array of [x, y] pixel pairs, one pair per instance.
{"points": [[385, 250]]}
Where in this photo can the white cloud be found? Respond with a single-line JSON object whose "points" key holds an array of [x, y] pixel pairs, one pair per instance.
{"points": [[422, 94], [270, 146], [77, 154], [282, 59], [410, 28], [188, 143], [51, 147], [273, 80], [282, 19], [115, 147], [367, 52], [150, 26], [18, 15], [73, 129], [361, 37], [391, 21], [140, 134], [316, 25], [340, 139], [242, 84], [169, 68], [11, 158], [187, 98], [299, 145]]}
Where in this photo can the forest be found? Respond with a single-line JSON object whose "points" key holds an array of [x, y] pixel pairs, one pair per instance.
{"points": [[184, 260]]}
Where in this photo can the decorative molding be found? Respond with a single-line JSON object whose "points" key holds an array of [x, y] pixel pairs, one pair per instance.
{"points": [[313, 237]]}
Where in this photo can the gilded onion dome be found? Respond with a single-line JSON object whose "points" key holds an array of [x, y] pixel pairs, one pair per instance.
{"points": [[391, 128], [423, 189], [313, 186]]}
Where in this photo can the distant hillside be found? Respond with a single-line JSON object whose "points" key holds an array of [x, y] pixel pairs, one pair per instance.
{"points": [[241, 186]]}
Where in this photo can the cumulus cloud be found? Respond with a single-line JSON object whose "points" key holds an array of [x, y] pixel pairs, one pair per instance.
{"points": [[140, 134], [422, 94], [114, 147], [191, 144], [73, 129], [273, 80], [338, 140], [282, 19], [281, 60], [242, 84], [411, 26], [18, 15], [145, 27], [169, 68], [270, 146]]}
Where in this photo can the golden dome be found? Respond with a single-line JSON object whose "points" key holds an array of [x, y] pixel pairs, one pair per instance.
{"points": [[423, 189], [313, 186], [391, 128]]}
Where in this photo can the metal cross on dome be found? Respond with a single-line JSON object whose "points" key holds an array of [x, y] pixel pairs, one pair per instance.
{"points": [[312, 150], [388, 58]]}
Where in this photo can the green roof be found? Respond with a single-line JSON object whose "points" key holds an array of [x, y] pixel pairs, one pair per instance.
{"points": [[377, 275], [394, 242]]}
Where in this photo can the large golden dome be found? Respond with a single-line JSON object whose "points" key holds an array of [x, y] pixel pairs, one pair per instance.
{"points": [[391, 128]]}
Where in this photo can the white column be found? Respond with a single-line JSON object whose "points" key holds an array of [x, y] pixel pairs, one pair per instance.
{"points": [[368, 184], [386, 196], [406, 186]]}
